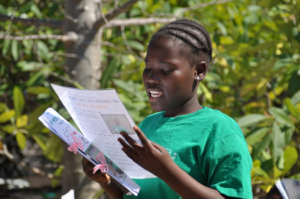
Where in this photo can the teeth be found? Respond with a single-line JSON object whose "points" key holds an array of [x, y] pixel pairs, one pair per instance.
{"points": [[155, 93]]}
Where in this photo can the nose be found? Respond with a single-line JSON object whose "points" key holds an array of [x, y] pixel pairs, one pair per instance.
{"points": [[151, 79]]}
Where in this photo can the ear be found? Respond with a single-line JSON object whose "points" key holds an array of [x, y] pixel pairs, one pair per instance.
{"points": [[201, 70]]}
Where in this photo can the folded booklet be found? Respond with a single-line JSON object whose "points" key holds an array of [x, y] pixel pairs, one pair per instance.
{"points": [[100, 116], [78, 143]]}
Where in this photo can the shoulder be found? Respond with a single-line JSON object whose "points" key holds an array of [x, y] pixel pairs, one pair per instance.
{"points": [[228, 160], [221, 125]]}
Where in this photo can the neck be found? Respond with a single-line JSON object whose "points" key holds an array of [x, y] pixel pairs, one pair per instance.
{"points": [[189, 106]]}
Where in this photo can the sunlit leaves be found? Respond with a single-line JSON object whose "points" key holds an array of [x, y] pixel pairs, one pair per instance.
{"points": [[281, 116], [278, 142], [257, 136], [6, 116], [21, 140], [22, 121], [43, 50], [18, 99], [290, 158], [54, 148], [250, 119]]}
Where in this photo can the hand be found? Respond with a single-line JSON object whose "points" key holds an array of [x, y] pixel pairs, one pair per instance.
{"points": [[149, 155], [102, 178]]}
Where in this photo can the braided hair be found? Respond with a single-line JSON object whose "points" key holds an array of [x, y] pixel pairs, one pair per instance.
{"points": [[192, 35]]}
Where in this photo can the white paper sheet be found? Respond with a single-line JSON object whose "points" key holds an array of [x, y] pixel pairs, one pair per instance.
{"points": [[70, 135], [100, 115], [69, 195]]}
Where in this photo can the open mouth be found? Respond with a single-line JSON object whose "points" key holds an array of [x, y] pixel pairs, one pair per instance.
{"points": [[154, 93]]}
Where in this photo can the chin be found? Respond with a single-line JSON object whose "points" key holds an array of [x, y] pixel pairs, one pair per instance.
{"points": [[156, 108]]}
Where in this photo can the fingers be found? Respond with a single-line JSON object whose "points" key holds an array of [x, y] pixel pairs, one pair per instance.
{"points": [[87, 166], [102, 178], [142, 137], [130, 140], [130, 151], [158, 147]]}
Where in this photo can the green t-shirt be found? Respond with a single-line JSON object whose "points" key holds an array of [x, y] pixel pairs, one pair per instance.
{"points": [[206, 144]]}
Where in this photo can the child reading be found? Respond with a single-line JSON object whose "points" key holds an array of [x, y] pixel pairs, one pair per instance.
{"points": [[195, 151]]}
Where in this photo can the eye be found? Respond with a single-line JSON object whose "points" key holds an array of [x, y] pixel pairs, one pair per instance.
{"points": [[167, 72]]}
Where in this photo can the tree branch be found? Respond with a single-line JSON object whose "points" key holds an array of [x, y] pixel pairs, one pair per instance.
{"points": [[71, 36], [115, 12], [5, 152], [137, 21], [33, 21]]}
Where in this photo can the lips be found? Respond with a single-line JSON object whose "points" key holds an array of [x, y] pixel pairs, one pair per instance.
{"points": [[154, 93]]}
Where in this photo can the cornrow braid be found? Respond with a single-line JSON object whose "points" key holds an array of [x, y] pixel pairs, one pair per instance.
{"points": [[191, 33]]}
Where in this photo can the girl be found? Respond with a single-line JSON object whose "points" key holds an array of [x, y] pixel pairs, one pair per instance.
{"points": [[195, 151]]}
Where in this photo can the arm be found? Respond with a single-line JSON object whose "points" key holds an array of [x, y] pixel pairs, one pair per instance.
{"points": [[110, 188], [156, 159]]}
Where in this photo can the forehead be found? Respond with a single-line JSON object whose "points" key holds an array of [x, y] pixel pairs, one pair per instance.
{"points": [[166, 47]]}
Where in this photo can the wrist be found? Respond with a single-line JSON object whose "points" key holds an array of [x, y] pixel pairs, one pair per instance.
{"points": [[169, 172]]}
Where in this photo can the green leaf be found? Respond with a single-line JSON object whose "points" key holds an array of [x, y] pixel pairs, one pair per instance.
{"points": [[250, 119], [28, 66], [261, 145], [58, 171], [129, 86], [39, 139], [54, 148], [257, 136], [8, 128], [6, 116], [296, 98], [278, 142], [14, 50], [281, 116], [33, 116], [18, 100], [27, 46], [294, 83], [292, 108], [109, 72], [38, 90], [6, 45], [22, 121], [21, 140], [206, 92], [290, 158], [226, 40], [36, 10], [3, 107], [222, 28], [258, 170], [43, 50], [135, 45], [35, 79]]}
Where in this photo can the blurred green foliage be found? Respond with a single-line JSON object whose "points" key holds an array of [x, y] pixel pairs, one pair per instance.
{"points": [[254, 77]]}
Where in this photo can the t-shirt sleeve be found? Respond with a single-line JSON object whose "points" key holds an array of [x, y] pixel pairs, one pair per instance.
{"points": [[229, 166]]}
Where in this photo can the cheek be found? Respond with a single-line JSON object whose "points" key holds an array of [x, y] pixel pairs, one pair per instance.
{"points": [[183, 81], [179, 87]]}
